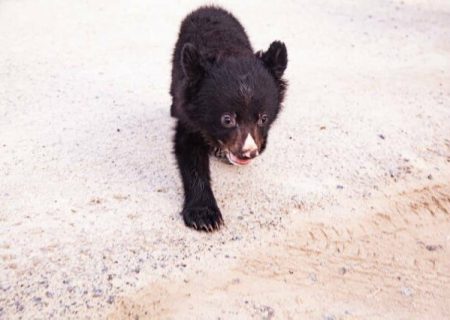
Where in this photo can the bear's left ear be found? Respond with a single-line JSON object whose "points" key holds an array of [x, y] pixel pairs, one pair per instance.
{"points": [[191, 62], [275, 58]]}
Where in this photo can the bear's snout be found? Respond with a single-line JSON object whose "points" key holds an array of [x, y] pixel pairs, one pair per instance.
{"points": [[249, 148]]}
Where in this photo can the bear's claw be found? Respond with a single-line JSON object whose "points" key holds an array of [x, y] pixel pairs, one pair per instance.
{"points": [[202, 218]]}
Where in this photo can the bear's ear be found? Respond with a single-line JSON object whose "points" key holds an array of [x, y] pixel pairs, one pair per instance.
{"points": [[275, 58], [191, 62]]}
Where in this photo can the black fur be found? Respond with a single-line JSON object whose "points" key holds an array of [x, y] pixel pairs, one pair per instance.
{"points": [[222, 93]]}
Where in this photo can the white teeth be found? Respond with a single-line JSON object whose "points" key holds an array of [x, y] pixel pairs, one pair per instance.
{"points": [[235, 161]]}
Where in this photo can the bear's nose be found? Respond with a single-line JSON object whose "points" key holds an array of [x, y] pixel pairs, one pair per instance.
{"points": [[250, 154], [249, 149]]}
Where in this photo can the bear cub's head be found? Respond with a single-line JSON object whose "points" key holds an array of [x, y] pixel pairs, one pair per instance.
{"points": [[233, 100]]}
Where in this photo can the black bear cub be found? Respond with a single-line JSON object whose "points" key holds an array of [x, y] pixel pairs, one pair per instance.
{"points": [[225, 98]]}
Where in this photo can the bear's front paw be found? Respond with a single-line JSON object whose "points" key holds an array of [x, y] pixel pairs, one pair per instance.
{"points": [[202, 218]]}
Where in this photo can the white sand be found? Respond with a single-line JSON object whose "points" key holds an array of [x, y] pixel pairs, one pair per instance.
{"points": [[345, 216]]}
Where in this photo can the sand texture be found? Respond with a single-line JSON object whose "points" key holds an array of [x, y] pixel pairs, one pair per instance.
{"points": [[345, 216]]}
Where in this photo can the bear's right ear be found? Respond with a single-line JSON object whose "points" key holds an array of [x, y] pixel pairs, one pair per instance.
{"points": [[191, 62]]}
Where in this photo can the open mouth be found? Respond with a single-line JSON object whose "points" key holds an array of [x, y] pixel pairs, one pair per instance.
{"points": [[236, 160]]}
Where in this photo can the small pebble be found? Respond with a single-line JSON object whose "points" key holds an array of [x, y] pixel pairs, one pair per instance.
{"points": [[267, 312], [407, 292], [5, 287], [340, 187], [312, 277], [391, 173], [37, 300], [19, 306], [381, 136], [430, 177], [431, 247], [97, 292]]}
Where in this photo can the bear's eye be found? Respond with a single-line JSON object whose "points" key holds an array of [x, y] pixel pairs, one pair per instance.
{"points": [[228, 120], [262, 119]]}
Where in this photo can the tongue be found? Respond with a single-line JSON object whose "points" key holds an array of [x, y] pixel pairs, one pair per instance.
{"points": [[239, 161]]}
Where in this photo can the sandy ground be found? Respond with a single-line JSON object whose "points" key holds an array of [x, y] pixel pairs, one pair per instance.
{"points": [[345, 216]]}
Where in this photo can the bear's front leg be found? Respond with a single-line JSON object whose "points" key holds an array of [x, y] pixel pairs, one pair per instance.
{"points": [[200, 210]]}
